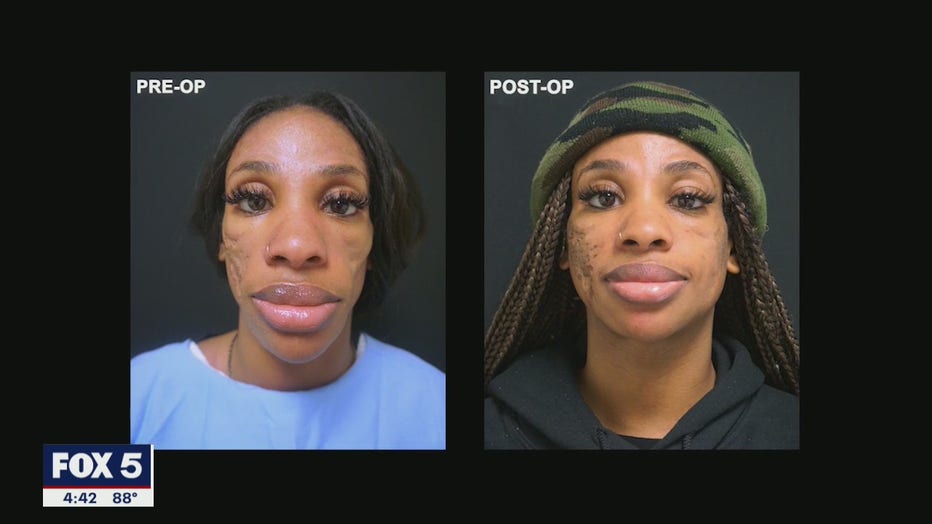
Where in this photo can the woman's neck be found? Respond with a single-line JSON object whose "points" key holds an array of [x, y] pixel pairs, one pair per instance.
{"points": [[257, 365], [642, 389]]}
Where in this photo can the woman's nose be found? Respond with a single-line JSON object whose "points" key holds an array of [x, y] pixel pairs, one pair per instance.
{"points": [[297, 239], [644, 226]]}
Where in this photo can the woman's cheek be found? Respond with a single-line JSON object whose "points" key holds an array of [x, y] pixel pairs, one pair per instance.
{"points": [[720, 252], [235, 260], [582, 254], [360, 247]]}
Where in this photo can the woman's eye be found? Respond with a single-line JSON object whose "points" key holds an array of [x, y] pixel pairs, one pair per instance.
{"points": [[603, 199], [342, 206], [690, 201], [250, 201], [254, 203]]}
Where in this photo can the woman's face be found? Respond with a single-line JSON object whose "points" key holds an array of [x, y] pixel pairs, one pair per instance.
{"points": [[296, 232], [647, 244]]}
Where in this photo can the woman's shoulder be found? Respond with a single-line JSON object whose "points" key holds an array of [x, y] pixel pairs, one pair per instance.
{"points": [[148, 365], [413, 390], [398, 358], [778, 401], [771, 421], [169, 351]]}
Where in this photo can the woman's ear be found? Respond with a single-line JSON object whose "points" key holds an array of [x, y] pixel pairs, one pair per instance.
{"points": [[732, 265], [222, 252], [564, 257]]}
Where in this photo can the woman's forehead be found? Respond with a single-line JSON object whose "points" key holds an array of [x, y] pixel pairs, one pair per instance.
{"points": [[298, 140], [631, 151]]}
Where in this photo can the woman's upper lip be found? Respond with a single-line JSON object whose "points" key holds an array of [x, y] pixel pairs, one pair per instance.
{"points": [[643, 273], [296, 295]]}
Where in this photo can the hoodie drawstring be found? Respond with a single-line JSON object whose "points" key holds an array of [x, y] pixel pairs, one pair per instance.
{"points": [[599, 434], [687, 440]]}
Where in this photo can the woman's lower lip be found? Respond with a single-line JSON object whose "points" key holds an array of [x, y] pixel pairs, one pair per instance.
{"points": [[647, 292], [295, 319]]}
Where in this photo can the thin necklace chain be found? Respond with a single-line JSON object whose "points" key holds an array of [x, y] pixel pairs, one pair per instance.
{"points": [[230, 356]]}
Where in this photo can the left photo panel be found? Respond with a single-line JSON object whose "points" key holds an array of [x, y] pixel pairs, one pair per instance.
{"points": [[287, 260]]}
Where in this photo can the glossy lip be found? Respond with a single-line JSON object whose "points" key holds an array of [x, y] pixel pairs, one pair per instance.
{"points": [[296, 308], [645, 284]]}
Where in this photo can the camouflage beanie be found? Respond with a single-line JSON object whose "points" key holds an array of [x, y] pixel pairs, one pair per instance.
{"points": [[661, 108]]}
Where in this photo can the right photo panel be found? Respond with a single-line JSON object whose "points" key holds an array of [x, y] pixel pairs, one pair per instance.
{"points": [[642, 260]]}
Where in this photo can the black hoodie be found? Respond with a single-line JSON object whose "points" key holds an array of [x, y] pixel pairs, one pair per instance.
{"points": [[535, 404]]}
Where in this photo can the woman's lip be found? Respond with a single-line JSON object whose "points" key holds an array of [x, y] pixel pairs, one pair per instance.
{"points": [[645, 284], [295, 319], [645, 273], [295, 295], [646, 293]]}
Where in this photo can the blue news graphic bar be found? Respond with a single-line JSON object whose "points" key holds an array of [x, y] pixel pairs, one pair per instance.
{"points": [[88, 466]]}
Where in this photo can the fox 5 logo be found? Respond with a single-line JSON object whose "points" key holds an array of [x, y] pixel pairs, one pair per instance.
{"points": [[98, 465]]}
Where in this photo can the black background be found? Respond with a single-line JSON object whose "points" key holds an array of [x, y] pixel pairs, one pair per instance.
{"points": [[764, 106], [76, 294], [175, 292]]}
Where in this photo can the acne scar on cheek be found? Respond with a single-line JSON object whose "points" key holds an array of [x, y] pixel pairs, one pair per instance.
{"points": [[582, 253], [234, 258], [719, 235]]}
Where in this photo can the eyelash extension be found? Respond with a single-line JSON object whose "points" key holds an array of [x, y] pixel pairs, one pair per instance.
{"points": [[359, 201], [242, 193], [705, 198], [587, 193]]}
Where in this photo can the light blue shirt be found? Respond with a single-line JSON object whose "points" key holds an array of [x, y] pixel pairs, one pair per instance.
{"points": [[388, 399]]}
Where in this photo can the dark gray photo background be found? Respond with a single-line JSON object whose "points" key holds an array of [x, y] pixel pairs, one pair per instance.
{"points": [[519, 128], [175, 292]]}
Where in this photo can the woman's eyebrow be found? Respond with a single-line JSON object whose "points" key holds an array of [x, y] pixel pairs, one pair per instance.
{"points": [[256, 165], [685, 165], [340, 170], [262, 166], [608, 165]]}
